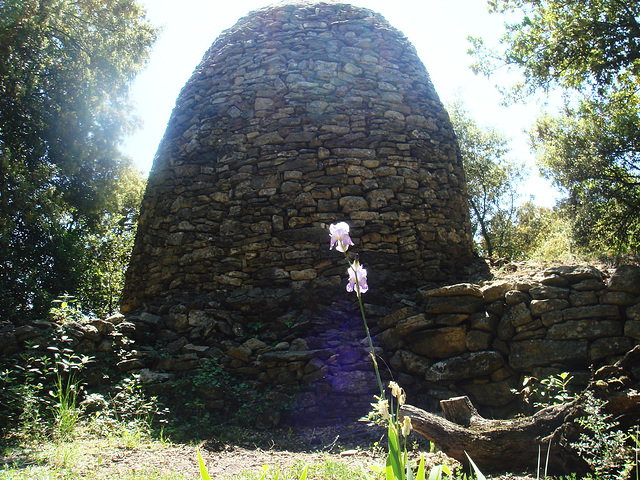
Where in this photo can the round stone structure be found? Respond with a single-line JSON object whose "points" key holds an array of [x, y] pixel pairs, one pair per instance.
{"points": [[301, 115]]}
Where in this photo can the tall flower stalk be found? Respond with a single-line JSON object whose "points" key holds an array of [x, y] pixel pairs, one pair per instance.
{"points": [[341, 240], [397, 466]]}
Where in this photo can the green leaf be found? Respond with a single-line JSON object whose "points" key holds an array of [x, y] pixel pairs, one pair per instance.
{"points": [[304, 473], [203, 469], [389, 471], [479, 474], [394, 459], [420, 474]]}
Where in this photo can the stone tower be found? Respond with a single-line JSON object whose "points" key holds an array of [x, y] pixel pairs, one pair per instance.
{"points": [[301, 115]]}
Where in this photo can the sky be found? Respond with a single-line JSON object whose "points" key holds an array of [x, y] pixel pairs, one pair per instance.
{"points": [[437, 28]]}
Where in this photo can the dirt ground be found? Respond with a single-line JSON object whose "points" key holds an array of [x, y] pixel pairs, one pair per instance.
{"points": [[353, 446]]}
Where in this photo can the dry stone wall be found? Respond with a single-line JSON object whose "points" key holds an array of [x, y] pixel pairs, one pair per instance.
{"points": [[301, 115], [479, 340]]}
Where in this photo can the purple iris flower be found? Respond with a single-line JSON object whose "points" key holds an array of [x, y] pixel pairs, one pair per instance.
{"points": [[357, 278], [340, 236]]}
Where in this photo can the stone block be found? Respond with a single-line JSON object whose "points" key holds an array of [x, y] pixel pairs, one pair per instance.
{"points": [[451, 319], [548, 292], [539, 307], [478, 340], [585, 329], [394, 318], [414, 323], [626, 278], [454, 304], [439, 342], [460, 289], [492, 394], [485, 321], [632, 329], [496, 291], [467, 365], [607, 347], [541, 352], [575, 273], [513, 297], [413, 363], [519, 315], [589, 284], [582, 298], [623, 299], [591, 311], [506, 330], [633, 313]]}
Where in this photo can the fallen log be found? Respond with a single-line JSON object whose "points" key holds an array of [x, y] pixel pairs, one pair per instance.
{"points": [[504, 445], [519, 444]]}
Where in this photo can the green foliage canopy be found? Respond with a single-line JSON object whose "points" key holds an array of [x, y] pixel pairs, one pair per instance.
{"points": [[591, 149], [64, 77], [492, 181], [592, 43]]}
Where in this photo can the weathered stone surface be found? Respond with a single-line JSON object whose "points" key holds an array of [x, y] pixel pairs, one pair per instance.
{"points": [[413, 323], [494, 394], [606, 347], [575, 273], [533, 353], [453, 304], [439, 342], [539, 307], [458, 290], [390, 339], [551, 318], [496, 291], [548, 292], [623, 299], [626, 278], [394, 318], [554, 280], [467, 365], [582, 298], [594, 311], [589, 284], [513, 297], [485, 321], [519, 315], [413, 363], [451, 319], [632, 329], [589, 329], [506, 330], [478, 340], [291, 355], [354, 383], [633, 313]]}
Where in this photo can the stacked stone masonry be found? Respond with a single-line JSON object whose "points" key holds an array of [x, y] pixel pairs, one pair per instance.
{"points": [[479, 340], [301, 115]]}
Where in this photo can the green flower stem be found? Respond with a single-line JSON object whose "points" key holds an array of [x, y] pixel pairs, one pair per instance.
{"points": [[366, 328]]}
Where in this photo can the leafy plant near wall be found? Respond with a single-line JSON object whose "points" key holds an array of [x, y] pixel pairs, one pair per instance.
{"points": [[213, 395], [40, 392], [609, 450]]}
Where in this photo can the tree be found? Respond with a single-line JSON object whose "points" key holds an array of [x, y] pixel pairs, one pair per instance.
{"points": [[593, 152], [491, 181], [108, 246], [593, 43], [64, 108], [591, 149]]}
